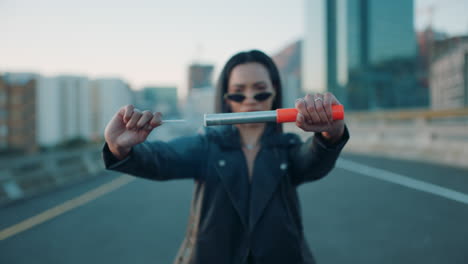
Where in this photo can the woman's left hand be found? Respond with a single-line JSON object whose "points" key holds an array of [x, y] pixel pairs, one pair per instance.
{"points": [[315, 115]]}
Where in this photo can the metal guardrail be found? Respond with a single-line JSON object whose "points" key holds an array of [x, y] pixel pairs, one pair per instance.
{"points": [[30, 175], [423, 135], [409, 114], [26, 176], [427, 135]]}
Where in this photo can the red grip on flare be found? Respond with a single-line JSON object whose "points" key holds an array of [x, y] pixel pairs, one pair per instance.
{"points": [[285, 115]]}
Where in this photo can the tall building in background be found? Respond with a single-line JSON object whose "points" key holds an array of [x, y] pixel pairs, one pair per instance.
{"points": [[160, 99], [314, 58], [108, 95], [38, 111], [426, 51], [63, 109], [364, 52], [3, 115], [449, 73], [200, 76], [76, 108], [17, 112], [288, 62]]}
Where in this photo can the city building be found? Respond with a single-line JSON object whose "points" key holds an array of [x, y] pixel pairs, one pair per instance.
{"points": [[200, 76], [17, 112], [364, 52], [38, 111], [64, 109], [427, 40], [449, 73], [288, 61], [3, 115], [108, 95]]}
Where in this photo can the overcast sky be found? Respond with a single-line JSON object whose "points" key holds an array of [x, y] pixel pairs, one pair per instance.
{"points": [[151, 42]]}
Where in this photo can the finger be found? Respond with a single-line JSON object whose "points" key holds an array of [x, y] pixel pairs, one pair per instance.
{"points": [[319, 108], [156, 120], [327, 105], [134, 119], [301, 109], [128, 113], [300, 119], [144, 119], [307, 116], [302, 123], [314, 117], [303, 115]]}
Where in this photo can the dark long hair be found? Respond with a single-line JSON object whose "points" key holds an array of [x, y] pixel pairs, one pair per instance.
{"points": [[241, 58]]}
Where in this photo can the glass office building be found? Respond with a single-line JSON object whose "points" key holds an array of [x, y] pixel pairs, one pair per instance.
{"points": [[363, 51]]}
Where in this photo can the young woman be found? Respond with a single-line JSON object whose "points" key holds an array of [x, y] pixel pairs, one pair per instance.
{"points": [[245, 207]]}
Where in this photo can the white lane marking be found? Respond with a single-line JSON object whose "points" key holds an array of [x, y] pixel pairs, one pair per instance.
{"points": [[402, 180], [65, 207]]}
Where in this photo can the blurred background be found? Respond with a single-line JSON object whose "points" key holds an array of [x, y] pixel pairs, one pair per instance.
{"points": [[399, 194]]}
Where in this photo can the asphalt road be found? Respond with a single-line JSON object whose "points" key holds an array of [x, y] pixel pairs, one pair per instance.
{"points": [[411, 213]]}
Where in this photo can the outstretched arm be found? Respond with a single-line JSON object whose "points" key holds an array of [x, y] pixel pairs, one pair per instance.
{"points": [[178, 159], [316, 157], [126, 149]]}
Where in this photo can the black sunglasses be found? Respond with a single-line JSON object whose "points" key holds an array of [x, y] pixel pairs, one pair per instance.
{"points": [[240, 97]]}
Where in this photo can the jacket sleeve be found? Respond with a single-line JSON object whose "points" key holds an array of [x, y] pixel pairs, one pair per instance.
{"points": [[178, 159], [315, 158]]}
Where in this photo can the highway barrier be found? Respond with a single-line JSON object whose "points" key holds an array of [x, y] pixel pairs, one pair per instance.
{"points": [[31, 175], [436, 136]]}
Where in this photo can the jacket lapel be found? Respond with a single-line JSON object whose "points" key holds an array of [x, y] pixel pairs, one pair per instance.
{"points": [[234, 178], [268, 171], [250, 199]]}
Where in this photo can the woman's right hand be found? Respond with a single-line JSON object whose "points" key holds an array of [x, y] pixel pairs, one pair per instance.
{"points": [[129, 127]]}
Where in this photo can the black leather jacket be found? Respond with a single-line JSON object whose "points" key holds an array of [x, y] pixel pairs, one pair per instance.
{"points": [[232, 219]]}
